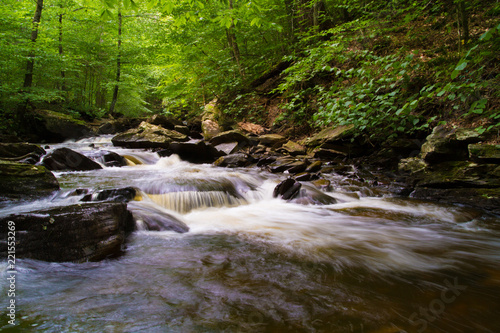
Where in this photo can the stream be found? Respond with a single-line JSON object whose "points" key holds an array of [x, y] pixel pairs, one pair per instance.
{"points": [[371, 262]]}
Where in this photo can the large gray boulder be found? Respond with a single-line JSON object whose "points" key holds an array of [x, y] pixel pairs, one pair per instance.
{"points": [[67, 159], [82, 232], [448, 144], [148, 136]]}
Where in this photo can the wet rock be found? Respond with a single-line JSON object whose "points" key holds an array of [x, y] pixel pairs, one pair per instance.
{"points": [[282, 164], [57, 127], [448, 145], [108, 158], [183, 129], [293, 148], [297, 167], [266, 160], [312, 196], [82, 232], [148, 136], [328, 154], [151, 218], [483, 198], [454, 174], [67, 159], [234, 161], [484, 153], [119, 195], [329, 135], [164, 121], [230, 136], [306, 176], [323, 184], [272, 140], [21, 180], [21, 152], [287, 189], [119, 125], [314, 166], [194, 152]]}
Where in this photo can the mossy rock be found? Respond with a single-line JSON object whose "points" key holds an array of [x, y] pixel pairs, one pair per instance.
{"points": [[21, 180], [454, 174], [54, 126], [329, 135], [484, 153]]}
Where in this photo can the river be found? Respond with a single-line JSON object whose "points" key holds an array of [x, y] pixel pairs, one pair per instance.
{"points": [[371, 262]]}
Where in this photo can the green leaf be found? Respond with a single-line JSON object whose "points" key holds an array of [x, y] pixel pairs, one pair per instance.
{"points": [[461, 66]]}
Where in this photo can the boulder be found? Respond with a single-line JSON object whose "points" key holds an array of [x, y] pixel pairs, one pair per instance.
{"points": [[67, 159], [272, 140], [119, 195], [194, 152], [229, 136], [312, 196], [148, 136], [293, 148], [484, 153], [209, 125], [483, 198], [164, 121], [448, 144], [21, 152], [53, 126], [182, 129], [287, 189], [108, 158], [234, 161], [79, 233], [329, 135], [118, 125], [455, 174], [152, 218], [21, 180], [282, 164]]}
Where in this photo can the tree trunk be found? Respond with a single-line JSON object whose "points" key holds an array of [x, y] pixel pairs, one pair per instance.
{"points": [[231, 38], [463, 18], [63, 73], [118, 67], [28, 77]]}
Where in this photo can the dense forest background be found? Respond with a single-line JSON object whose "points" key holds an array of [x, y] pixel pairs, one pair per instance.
{"points": [[386, 67]]}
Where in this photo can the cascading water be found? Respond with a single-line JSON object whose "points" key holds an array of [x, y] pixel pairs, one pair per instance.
{"points": [[254, 263]]}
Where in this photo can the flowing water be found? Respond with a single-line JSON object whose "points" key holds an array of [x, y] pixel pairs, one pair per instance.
{"points": [[254, 263]]}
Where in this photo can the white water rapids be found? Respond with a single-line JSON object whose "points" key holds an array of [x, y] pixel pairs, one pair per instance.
{"points": [[254, 263]]}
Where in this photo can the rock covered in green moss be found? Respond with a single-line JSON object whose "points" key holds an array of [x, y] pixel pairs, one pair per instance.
{"points": [[21, 180], [484, 153], [21, 152], [51, 126]]}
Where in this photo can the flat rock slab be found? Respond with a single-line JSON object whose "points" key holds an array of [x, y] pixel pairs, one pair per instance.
{"points": [[77, 233]]}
